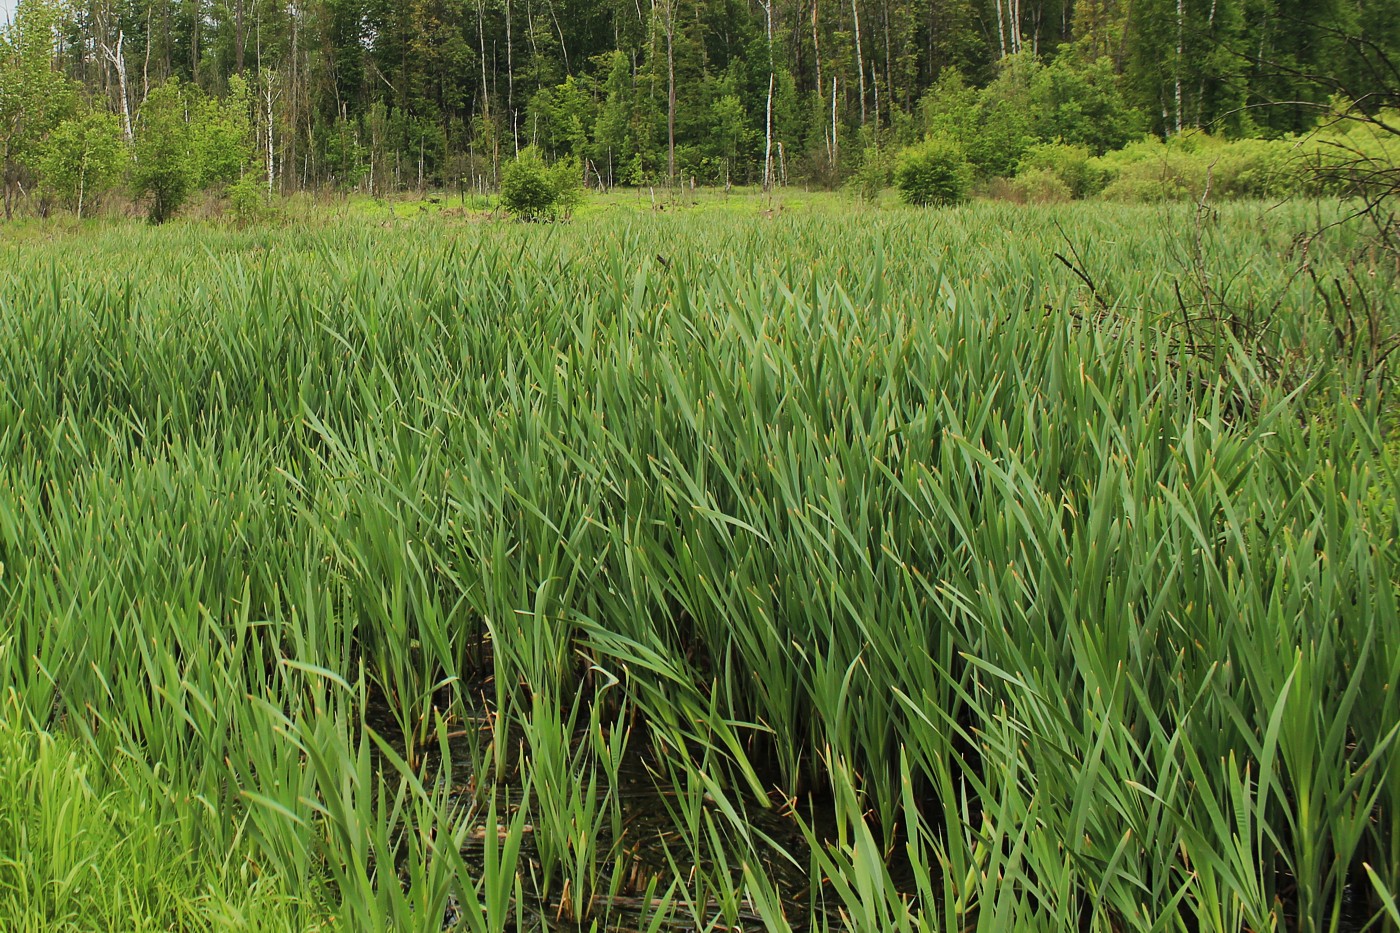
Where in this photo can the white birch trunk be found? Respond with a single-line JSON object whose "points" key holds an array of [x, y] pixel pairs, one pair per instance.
{"points": [[836, 146], [768, 121], [119, 63], [768, 138], [1180, 53], [267, 100], [860, 60]]}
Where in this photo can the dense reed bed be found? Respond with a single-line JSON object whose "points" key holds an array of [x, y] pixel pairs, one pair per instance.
{"points": [[710, 572]]}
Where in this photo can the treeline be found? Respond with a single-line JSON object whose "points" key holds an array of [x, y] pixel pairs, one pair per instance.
{"points": [[390, 94]]}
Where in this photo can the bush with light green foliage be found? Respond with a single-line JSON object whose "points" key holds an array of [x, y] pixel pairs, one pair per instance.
{"points": [[248, 199], [1039, 186], [1195, 164], [1353, 154], [82, 159], [1069, 165], [933, 173], [532, 190], [875, 174]]}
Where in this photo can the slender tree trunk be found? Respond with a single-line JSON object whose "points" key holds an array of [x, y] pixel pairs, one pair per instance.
{"points": [[860, 60], [195, 16], [1180, 52], [1201, 89], [671, 91], [563, 45], [768, 137], [165, 43], [146, 67], [1121, 55], [82, 180], [889, 70], [835, 139], [510, 82], [875, 88], [768, 120], [239, 37], [104, 75], [267, 101], [293, 99], [481, 47], [817, 47], [534, 44], [119, 63]]}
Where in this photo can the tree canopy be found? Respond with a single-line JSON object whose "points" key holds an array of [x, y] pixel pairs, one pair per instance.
{"points": [[392, 94]]}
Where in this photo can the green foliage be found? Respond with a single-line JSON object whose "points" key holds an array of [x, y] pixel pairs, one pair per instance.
{"points": [[346, 157], [1039, 186], [83, 158], [733, 140], [532, 190], [89, 843], [1083, 105], [221, 133], [34, 96], [1192, 164], [1006, 123], [1186, 64], [422, 94], [617, 131], [948, 108], [560, 117], [1068, 164], [1029, 104], [876, 173], [933, 173], [167, 167], [1351, 155], [270, 526], [248, 199]]}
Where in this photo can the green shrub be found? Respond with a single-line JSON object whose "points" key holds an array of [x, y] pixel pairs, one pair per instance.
{"points": [[1349, 156], [532, 190], [1068, 164], [935, 172], [566, 177], [1039, 186], [875, 174], [1152, 170], [1252, 168], [1188, 165], [165, 166], [949, 107], [248, 199]]}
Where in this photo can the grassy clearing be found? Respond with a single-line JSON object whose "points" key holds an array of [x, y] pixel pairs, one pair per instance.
{"points": [[86, 843], [709, 570]]}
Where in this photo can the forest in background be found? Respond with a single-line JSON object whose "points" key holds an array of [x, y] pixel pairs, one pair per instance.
{"points": [[382, 95]]}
